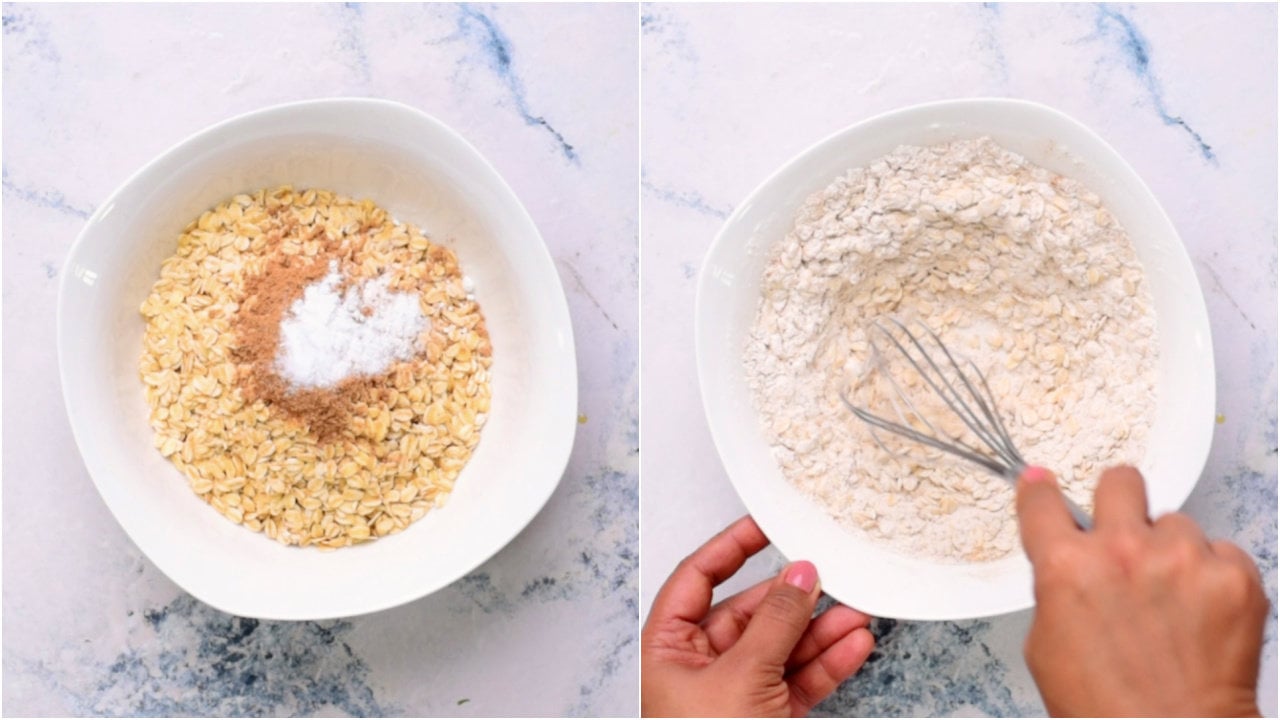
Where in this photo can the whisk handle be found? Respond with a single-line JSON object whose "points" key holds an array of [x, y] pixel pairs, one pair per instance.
{"points": [[1082, 518]]}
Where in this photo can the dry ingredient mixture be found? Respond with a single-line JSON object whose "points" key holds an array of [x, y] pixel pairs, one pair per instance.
{"points": [[317, 370], [329, 334], [1020, 269]]}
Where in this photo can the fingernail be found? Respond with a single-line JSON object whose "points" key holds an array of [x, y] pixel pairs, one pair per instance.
{"points": [[1036, 474], [803, 575]]}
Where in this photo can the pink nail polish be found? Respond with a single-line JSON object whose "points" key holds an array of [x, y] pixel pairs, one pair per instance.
{"points": [[1035, 474], [802, 574]]}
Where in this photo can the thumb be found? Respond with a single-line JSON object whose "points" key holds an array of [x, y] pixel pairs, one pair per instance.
{"points": [[781, 618]]}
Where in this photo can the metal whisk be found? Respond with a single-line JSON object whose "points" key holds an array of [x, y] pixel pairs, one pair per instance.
{"points": [[968, 396]]}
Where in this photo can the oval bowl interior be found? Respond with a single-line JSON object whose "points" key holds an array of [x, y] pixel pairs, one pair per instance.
{"points": [[855, 570], [421, 172]]}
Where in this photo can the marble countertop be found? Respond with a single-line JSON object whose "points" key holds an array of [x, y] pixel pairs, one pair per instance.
{"points": [[1187, 94], [546, 627]]}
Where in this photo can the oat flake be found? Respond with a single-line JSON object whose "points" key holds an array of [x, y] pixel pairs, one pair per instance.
{"points": [[1017, 267]]}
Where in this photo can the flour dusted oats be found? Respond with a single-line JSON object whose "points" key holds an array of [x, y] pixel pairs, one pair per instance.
{"points": [[1022, 270]]}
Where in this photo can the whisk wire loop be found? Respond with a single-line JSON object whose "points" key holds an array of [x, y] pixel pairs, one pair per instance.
{"points": [[943, 388], [972, 401], [960, 450], [998, 423], [985, 432], [903, 427]]}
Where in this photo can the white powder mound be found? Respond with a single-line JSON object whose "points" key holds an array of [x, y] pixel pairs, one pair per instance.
{"points": [[1022, 270], [328, 336]]}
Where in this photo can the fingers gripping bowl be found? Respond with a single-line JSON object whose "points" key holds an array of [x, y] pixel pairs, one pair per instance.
{"points": [[872, 575], [421, 172]]}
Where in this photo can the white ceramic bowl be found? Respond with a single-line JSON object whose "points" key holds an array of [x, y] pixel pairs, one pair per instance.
{"points": [[854, 569], [420, 171]]}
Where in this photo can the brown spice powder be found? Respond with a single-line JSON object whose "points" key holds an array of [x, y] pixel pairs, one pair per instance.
{"points": [[325, 412]]}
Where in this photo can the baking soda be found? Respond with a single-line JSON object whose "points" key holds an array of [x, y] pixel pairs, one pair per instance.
{"points": [[329, 335]]}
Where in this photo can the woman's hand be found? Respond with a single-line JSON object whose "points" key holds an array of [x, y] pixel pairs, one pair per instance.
{"points": [[758, 653], [1137, 617]]}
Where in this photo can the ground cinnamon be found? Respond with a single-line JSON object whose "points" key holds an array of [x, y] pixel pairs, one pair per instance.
{"points": [[326, 412]]}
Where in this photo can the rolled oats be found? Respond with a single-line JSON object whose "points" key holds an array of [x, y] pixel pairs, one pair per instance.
{"points": [[256, 452]]}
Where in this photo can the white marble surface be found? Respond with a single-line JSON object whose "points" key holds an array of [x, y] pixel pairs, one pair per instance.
{"points": [[548, 626], [1187, 94]]}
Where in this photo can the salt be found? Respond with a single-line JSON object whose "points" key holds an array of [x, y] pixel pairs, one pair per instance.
{"points": [[328, 336]]}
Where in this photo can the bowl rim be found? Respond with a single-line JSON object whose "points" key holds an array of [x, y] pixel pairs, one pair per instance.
{"points": [[561, 449], [1129, 177]]}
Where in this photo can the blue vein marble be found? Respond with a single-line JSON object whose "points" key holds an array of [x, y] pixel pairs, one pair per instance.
{"points": [[222, 665], [48, 199], [689, 199], [478, 587], [351, 39], [657, 23], [611, 500], [608, 668], [612, 571], [18, 21], [607, 497], [1248, 488], [922, 668], [1255, 489], [989, 39], [1137, 53], [615, 495], [1251, 489], [481, 30]]}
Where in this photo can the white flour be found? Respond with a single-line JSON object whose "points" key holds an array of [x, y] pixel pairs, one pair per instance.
{"points": [[328, 335], [1019, 268]]}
